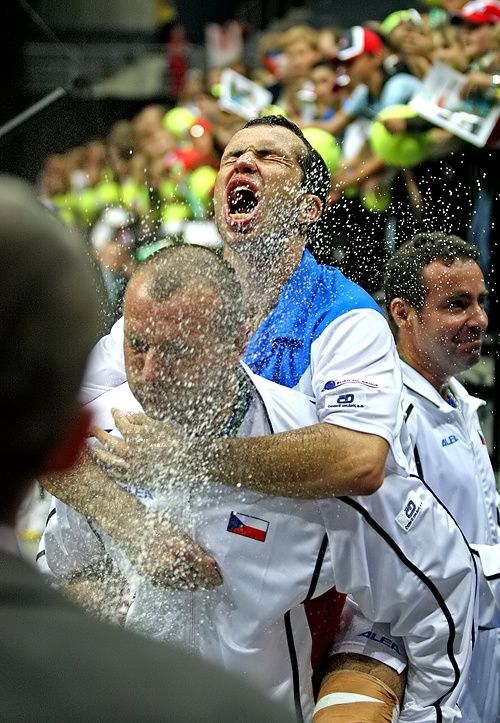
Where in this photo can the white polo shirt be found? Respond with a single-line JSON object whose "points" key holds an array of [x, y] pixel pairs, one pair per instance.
{"points": [[273, 554], [453, 460]]}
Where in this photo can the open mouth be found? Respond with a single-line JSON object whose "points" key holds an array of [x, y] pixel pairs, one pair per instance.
{"points": [[242, 203]]}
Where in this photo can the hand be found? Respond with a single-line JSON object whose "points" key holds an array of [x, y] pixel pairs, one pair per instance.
{"points": [[166, 556], [158, 548], [474, 83], [150, 454]]}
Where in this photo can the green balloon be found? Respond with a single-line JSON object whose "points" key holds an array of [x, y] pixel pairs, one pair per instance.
{"points": [[178, 121], [376, 201], [326, 145], [201, 182], [273, 110], [402, 150], [175, 212]]}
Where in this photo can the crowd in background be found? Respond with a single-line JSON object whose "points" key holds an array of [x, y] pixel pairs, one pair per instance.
{"points": [[151, 178]]}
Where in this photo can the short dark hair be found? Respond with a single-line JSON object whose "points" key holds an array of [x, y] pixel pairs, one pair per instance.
{"points": [[315, 174], [404, 271], [175, 267]]}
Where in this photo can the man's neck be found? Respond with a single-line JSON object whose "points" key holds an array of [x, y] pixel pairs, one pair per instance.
{"points": [[210, 414], [435, 377], [263, 283]]}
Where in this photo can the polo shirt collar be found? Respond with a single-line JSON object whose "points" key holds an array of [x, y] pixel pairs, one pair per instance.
{"points": [[418, 384]]}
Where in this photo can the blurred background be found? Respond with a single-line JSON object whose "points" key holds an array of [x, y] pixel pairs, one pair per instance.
{"points": [[113, 111]]}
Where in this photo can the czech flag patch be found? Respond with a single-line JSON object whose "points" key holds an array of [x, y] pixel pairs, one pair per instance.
{"points": [[248, 526]]}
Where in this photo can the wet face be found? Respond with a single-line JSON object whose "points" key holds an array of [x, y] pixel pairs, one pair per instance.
{"points": [[258, 190], [173, 356], [448, 333]]}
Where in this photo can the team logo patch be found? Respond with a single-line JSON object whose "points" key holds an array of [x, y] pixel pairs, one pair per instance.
{"points": [[335, 383], [248, 526], [410, 512], [348, 401]]}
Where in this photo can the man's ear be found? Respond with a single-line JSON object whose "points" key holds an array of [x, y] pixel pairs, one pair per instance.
{"points": [[400, 312], [310, 208], [68, 449]]}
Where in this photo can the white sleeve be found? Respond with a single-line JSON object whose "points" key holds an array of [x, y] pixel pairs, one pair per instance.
{"points": [[356, 375], [106, 366], [357, 634], [405, 563], [488, 559], [69, 544]]}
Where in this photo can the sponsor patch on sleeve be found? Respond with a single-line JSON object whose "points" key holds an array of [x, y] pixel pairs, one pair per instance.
{"points": [[336, 383], [410, 512], [348, 400]]}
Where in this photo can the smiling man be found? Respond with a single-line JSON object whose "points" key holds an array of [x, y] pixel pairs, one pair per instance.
{"points": [[436, 295]]}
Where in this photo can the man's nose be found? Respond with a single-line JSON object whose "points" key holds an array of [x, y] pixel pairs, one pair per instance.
{"points": [[246, 163], [478, 317]]}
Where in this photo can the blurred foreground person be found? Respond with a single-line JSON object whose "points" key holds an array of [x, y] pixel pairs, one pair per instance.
{"points": [[436, 295], [55, 663]]}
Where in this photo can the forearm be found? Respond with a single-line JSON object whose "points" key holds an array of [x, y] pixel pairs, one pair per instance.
{"points": [[102, 592], [88, 490], [359, 688], [313, 462]]}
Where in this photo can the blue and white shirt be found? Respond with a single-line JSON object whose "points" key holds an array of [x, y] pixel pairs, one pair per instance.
{"points": [[325, 337]]}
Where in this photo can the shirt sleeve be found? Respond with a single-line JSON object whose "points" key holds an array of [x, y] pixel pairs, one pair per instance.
{"points": [[488, 558], [406, 564], [106, 366], [356, 375], [69, 544], [356, 634]]}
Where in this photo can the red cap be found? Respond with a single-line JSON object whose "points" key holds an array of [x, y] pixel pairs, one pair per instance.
{"points": [[479, 12], [356, 41]]}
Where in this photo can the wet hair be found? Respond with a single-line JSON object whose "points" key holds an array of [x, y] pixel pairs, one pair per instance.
{"points": [[315, 175], [177, 267], [404, 271]]}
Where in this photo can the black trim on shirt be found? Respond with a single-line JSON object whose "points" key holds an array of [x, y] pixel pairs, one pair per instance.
{"points": [[317, 568], [418, 463], [408, 412], [428, 583], [295, 667], [51, 514], [472, 552], [496, 576]]}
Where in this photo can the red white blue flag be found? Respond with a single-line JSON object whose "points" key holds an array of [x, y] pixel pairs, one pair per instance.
{"points": [[248, 526]]}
